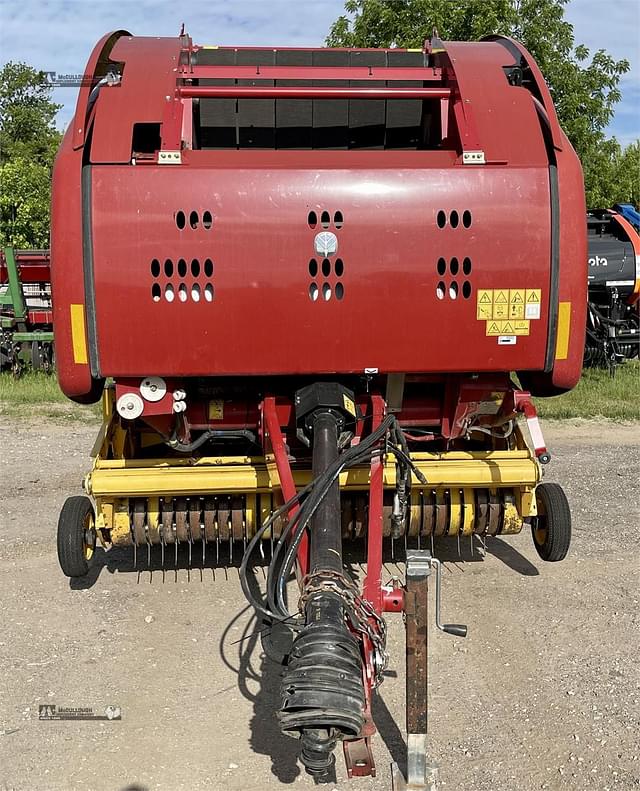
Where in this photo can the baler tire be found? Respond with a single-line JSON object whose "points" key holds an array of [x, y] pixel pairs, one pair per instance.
{"points": [[75, 524], [551, 529]]}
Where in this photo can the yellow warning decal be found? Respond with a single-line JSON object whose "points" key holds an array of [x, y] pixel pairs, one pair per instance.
{"points": [[521, 327], [349, 405], [500, 310], [564, 327], [508, 311], [78, 338], [216, 409]]}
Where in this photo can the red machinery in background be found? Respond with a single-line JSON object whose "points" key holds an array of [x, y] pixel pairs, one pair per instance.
{"points": [[309, 274]]}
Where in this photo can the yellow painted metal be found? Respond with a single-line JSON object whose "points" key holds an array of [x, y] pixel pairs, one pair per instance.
{"points": [[468, 511], [241, 475], [455, 512], [564, 328], [512, 522], [528, 505], [78, 339], [153, 519], [120, 532]]}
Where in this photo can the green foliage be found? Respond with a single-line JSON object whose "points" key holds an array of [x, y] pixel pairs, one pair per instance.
{"points": [[584, 86], [28, 143], [24, 203]]}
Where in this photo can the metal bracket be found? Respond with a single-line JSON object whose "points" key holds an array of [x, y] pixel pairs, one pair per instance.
{"points": [[358, 757], [169, 158], [473, 158]]}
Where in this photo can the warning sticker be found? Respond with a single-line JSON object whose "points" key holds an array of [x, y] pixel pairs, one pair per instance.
{"points": [[507, 340], [500, 311], [216, 410], [508, 311], [349, 405], [521, 327]]}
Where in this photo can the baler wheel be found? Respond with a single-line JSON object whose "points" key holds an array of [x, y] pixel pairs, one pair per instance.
{"points": [[76, 536], [551, 529]]}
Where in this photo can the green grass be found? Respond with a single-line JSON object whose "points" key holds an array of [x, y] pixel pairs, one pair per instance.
{"points": [[598, 394], [37, 395]]}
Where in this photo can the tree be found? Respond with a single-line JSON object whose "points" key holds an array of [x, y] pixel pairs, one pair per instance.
{"points": [[28, 143], [585, 89]]}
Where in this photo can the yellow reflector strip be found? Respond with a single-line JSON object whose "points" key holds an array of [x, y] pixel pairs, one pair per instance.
{"points": [[77, 334], [564, 326]]}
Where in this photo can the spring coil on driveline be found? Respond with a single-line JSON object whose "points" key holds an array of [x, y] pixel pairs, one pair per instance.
{"points": [[322, 686]]}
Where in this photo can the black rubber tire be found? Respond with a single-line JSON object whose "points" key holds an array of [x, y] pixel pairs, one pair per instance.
{"points": [[551, 529], [71, 536]]}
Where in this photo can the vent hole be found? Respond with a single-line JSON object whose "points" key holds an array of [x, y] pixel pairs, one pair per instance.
{"points": [[338, 219], [453, 290], [155, 267], [326, 267], [339, 291], [181, 220], [207, 220], [182, 292], [182, 267], [312, 219], [326, 292], [466, 266], [155, 292], [454, 219], [168, 267], [208, 292], [325, 219], [442, 266], [454, 266], [441, 219], [440, 290], [313, 267], [193, 219], [313, 292], [208, 267], [195, 292], [195, 267], [169, 293], [466, 289], [339, 267], [466, 218]]}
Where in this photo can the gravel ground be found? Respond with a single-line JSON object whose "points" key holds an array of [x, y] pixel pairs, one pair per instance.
{"points": [[544, 693]]}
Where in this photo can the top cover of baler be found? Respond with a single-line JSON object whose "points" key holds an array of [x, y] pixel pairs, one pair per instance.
{"points": [[221, 211]]}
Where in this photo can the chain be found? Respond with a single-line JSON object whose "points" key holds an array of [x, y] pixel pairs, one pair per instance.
{"points": [[361, 613]]}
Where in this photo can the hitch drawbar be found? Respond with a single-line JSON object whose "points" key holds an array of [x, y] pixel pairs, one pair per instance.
{"points": [[421, 776]]}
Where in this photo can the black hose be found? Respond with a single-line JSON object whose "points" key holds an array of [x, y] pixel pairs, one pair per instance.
{"points": [[208, 435]]}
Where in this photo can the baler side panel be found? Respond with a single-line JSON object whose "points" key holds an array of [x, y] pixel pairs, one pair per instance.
{"points": [[262, 320]]}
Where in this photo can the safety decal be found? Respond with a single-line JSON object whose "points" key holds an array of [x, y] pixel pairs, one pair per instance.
{"points": [[507, 312], [216, 409]]}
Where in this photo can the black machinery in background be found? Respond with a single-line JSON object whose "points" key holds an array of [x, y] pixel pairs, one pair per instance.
{"points": [[613, 317]]}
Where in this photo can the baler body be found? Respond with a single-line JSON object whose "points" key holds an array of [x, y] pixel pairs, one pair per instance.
{"points": [[458, 217]]}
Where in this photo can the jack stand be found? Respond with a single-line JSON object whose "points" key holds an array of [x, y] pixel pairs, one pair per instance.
{"points": [[421, 776]]}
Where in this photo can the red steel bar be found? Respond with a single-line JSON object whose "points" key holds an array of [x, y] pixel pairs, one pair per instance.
{"points": [[420, 74], [281, 92], [372, 588]]}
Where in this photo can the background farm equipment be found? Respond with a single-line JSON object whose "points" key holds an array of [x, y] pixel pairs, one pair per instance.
{"points": [[613, 317], [26, 315]]}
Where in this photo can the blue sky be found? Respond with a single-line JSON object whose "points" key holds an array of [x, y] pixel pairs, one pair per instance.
{"points": [[58, 35]]}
